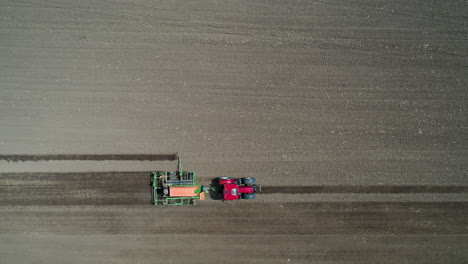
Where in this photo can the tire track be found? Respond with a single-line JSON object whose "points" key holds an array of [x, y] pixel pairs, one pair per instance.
{"points": [[133, 188], [47, 157], [363, 189], [67, 177], [88, 188]]}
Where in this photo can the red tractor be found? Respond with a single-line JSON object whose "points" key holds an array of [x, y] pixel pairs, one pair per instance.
{"points": [[180, 187], [234, 189]]}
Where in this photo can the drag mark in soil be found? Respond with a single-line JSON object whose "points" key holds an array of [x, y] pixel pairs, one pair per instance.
{"points": [[363, 189], [47, 157]]}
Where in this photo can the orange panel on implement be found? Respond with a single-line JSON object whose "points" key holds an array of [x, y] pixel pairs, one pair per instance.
{"points": [[183, 191]]}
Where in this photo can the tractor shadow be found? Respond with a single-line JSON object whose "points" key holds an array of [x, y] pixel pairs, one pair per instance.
{"points": [[215, 190]]}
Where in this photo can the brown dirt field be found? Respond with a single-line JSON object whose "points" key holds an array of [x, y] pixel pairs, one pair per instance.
{"points": [[351, 114], [81, 157]]}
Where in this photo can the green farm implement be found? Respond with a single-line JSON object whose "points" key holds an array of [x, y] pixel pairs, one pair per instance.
{"points": [[176, 187]]}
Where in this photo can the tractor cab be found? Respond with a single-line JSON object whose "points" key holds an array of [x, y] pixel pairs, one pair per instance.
{"points": [[231, 191]]}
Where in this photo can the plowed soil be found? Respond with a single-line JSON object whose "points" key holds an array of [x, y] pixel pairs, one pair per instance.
{"points": [[351, 114], [81, 157]]}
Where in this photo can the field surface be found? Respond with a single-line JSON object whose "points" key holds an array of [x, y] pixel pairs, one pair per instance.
{"points": [[353, 115]]}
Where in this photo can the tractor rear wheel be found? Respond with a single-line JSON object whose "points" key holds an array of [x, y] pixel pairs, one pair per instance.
{"points": [[248, 196], [248, 181], [224, 180]]}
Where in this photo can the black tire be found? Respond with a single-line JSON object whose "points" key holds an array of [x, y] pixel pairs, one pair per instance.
{"points": [[248, 181], [248, 196], [225, 178]]}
